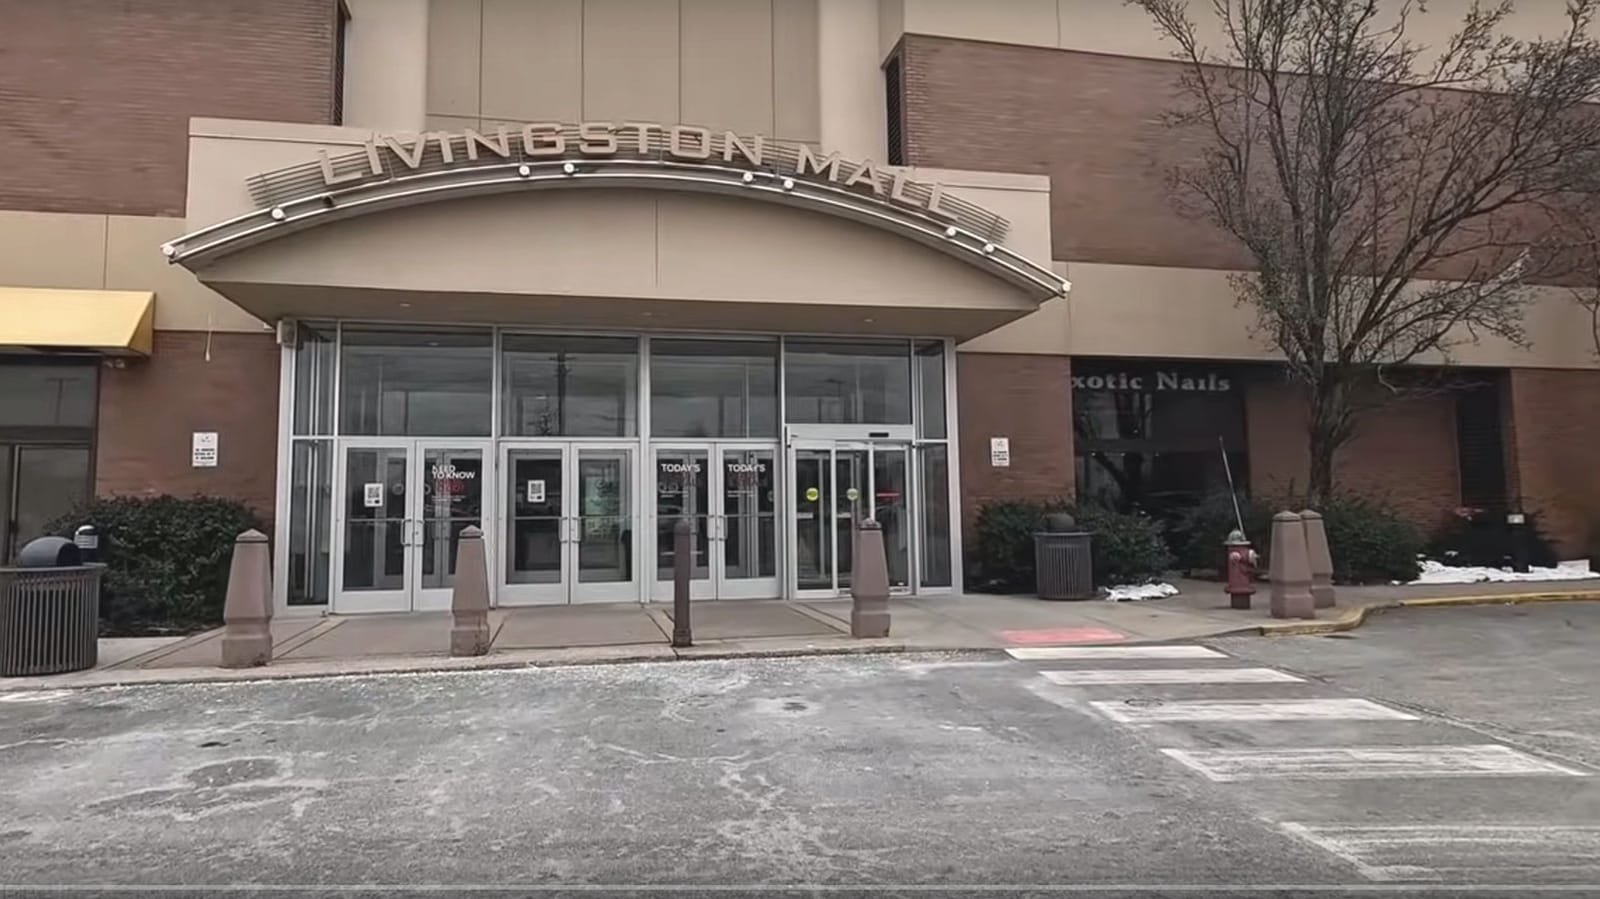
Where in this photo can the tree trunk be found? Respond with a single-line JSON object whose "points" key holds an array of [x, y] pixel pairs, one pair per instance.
{"points": [[1326, 430]]}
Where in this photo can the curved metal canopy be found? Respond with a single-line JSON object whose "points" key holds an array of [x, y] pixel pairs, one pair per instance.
{"points": [[198, 248]]}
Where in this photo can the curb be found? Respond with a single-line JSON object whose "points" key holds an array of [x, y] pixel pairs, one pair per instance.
{"points": [[1352, 618]]}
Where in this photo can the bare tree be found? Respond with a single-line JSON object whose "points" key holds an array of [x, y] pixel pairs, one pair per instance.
{"points": [[1360, 170]]}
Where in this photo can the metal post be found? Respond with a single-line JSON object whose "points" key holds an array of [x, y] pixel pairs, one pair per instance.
{"points": [[682, 558], [1517, 525]]}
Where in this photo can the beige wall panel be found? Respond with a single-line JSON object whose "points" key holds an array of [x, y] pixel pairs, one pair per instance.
{"points": [[386, 64], [1043, 332], [533, 60], [630, 60], [794, 71], [450, 122], [554, 242], [134, 262], [726, 52], [1022, 200], [850, 80], [1006, 21], [724, 248], [224, 152], [48, 249], [455, 45], [891, 24]]}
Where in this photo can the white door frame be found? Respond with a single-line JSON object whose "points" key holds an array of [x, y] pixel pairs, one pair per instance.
{"points": [[397, 599], [556, 592], [434, 599], [716, 584], [832, 439]]}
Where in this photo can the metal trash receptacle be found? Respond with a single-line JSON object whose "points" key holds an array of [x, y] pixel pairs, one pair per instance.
{"points": [[1063, 563], [49, 613]]}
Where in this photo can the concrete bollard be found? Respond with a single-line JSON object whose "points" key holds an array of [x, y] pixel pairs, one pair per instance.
{"points": [[247, 610], [1290, 569], [682, 560], [869, 584], [469, 600], [1320, 558]]}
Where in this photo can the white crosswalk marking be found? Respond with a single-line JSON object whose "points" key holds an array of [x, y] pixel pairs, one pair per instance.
{"points": [[1097, 653], [1248, 710], [1366, 762], [1090, 676], [1458, 851]]}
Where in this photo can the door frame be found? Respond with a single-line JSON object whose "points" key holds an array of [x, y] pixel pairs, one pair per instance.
{"points": [[717, 584], [833, 438], [340, 601], [436, 599], [556, 593]]}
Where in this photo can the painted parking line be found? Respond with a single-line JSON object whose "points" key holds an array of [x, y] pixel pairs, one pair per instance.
{"points": [[1090, 676], [1458, 851], [1142, 711], [1064, 635], [1097, 653], [1367, 762]]}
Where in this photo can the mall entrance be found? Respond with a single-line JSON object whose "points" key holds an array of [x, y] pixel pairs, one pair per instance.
{"points": [[579, 454]]}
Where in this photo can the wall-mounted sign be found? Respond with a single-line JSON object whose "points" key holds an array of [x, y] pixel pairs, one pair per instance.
{"points": [[203, 449], [386, 156], [811, 494], [535, 491], [1155, 380], [1000, 452], [372, 495]]}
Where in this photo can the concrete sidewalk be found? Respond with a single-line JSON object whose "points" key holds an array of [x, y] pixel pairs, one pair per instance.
{"points": [[583, 634]]}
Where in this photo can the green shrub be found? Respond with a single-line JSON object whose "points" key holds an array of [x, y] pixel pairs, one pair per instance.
{"points": [[1004, 557], [1127, 548], [166, 559], [1370, 543], [1196, 533], [1482, 537]]}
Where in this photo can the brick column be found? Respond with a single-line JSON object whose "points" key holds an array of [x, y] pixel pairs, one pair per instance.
{"points": [[1027, 399]]}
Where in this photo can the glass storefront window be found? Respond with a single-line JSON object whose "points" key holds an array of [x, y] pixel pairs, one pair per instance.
{"points": [[50, 396], [713, 388], [930, 383], [314, 348], [416, 383], [934, 460], [558, 386], [310, 511], [847, 381]]}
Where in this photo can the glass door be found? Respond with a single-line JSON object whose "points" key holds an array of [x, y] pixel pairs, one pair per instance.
{"points": [[47, 483], [746, 550], [374, 490], [683, 492], [449, 495], [603, 523], [835, 486], [534, 559]]}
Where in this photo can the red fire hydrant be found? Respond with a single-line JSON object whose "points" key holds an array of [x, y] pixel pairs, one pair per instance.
{"points": [[1241, 565]]}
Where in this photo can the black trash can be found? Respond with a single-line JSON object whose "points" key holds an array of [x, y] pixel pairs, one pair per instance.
{"points": [[49, 610], [1063, 565]]}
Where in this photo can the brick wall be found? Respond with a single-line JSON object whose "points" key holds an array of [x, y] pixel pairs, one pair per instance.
{"points": [[1403, 452], [150, 410], [1095, 124], [1024, 398], [96, 96], [1553, 450]]}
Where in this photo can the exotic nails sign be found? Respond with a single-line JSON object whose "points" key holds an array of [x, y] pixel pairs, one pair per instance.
{"points": [[385, 157]]}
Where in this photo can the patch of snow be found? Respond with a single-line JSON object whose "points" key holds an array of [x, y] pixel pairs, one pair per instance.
{"points": [[1440, 573], [1131, 592]]}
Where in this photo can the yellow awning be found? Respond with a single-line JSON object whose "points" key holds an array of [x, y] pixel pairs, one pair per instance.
{"points": [[116, 322]]}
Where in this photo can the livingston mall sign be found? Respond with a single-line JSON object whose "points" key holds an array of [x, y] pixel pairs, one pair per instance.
{"points": [[387, 171], [386, 157]]}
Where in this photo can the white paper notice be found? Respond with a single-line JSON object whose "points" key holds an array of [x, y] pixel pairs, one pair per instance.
{"points": [[372, 495], [536, 491], [1000, 452], [204, 450]]}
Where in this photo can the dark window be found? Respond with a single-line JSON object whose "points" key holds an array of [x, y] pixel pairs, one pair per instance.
{"points": [[341, 35], [1480, 450], [1152, 437], [892, 97], [47, 422]]}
